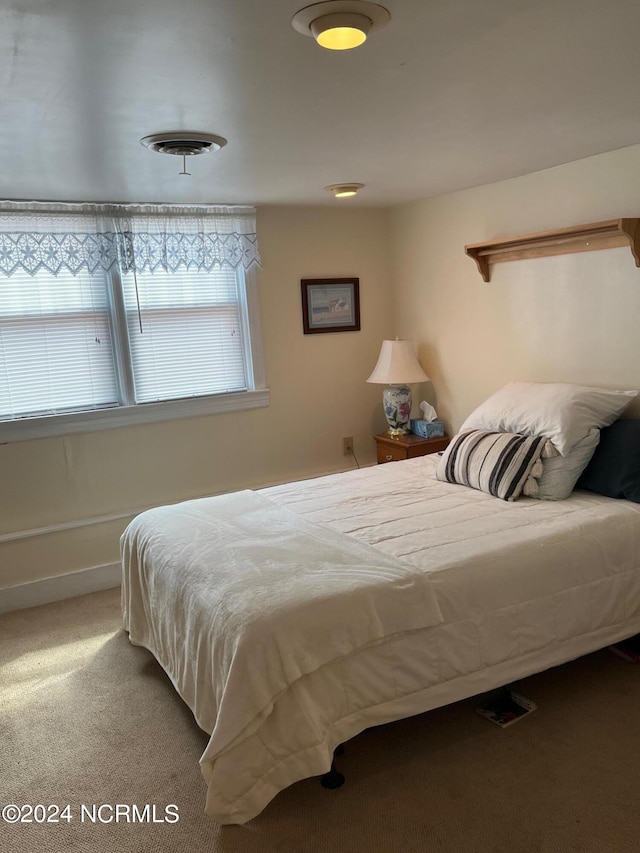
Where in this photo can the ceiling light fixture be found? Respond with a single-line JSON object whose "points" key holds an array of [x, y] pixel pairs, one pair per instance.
{"points": [[183, 143], [340, 24], [344, 190]]}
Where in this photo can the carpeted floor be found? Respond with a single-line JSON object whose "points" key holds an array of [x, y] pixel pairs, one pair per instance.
{"points": [[86, 718]]}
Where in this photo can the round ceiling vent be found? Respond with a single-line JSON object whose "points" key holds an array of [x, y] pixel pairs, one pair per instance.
{"points": [[183, 143]]}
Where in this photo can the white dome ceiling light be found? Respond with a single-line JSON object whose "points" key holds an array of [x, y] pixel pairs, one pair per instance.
{"points": [[183, 144], [340, 24], [344, 190]]}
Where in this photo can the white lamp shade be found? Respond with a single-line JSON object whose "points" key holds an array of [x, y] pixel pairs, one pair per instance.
{"points": [[397, 365]]}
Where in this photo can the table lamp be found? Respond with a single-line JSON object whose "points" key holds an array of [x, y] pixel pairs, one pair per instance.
{"points": [[397, 366]]}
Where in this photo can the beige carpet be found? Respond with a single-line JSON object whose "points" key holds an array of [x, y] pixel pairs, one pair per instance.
{"points": [[87, 718]]}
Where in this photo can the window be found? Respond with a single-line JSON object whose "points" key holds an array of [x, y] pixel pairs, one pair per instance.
{"points": [[127, 338], [191, 340], [55, 345]]}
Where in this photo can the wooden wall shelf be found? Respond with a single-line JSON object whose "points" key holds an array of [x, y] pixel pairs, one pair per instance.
{"points": [[580, 238]]}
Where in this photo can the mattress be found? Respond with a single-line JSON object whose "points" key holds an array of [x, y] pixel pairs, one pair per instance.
{"points": [[507, 589]]}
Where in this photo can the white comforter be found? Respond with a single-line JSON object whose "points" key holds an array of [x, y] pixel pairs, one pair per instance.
{"points": [[413, 593], [259, 597]]}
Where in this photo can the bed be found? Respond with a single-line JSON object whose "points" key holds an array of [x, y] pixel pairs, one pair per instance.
{"points": [[291, 618]]}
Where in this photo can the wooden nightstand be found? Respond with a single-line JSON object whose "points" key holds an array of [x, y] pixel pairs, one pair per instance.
{"points": [[407, 446]]}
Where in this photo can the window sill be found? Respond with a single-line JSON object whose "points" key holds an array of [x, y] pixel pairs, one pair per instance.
{"points": [[146, 413]]}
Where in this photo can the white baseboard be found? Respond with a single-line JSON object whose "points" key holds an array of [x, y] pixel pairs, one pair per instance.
{"points": [[64, 586]]}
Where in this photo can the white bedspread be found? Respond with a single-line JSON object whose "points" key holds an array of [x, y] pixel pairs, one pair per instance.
{"points": [[520, 586], [239, 598]]}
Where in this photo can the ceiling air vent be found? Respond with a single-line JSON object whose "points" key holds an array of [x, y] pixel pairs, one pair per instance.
{"points": [[183, 143]]}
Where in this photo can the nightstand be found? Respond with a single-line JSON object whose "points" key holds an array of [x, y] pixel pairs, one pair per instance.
{"points": [[407, 446]]}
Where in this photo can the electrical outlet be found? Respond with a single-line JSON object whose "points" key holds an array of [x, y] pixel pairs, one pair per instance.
{"points": [[347, 445]]}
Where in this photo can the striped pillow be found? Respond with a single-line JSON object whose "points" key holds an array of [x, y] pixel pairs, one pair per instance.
{"points": [[503, 464]]}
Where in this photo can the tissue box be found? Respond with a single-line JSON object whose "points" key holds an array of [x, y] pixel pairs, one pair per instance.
{"points": [[427, 429]]}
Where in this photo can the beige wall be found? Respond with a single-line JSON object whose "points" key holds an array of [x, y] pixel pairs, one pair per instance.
{"points": [[318, 395], [570, 318]]}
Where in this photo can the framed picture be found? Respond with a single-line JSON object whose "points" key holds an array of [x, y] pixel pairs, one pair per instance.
{"points": [[330, 305]]}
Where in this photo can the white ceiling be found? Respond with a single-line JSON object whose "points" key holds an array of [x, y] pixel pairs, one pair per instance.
{"points": [[449, 95]]}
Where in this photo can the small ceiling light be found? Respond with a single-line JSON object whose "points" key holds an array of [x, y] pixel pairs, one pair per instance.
{"points": [[341, 31], [344, 190], [340, 24]]}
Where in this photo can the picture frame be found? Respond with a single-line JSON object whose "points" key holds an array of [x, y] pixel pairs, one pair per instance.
{"points": [[330, 305]]}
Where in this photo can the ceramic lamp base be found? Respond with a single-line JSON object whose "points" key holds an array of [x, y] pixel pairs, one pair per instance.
{"points": [[396, 400]]}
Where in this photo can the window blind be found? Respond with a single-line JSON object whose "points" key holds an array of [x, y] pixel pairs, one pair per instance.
{"points": [[188, 339], [56, 352], [104, 307]]}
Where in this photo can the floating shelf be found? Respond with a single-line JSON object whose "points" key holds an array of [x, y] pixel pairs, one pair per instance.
{"points": [[581, 238]]}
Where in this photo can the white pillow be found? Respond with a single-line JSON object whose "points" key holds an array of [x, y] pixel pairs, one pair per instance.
{"points": [[562, 412], [561, 473]]}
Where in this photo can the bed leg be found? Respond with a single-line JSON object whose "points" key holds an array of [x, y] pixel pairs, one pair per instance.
{"points": [[333, 779]]}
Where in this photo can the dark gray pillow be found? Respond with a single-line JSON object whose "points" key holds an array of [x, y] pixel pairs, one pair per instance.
{"points": [[614, 469]]}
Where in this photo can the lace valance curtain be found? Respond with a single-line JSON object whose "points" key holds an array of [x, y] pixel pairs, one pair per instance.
{"points": [[171, 238], [38, 236]]}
